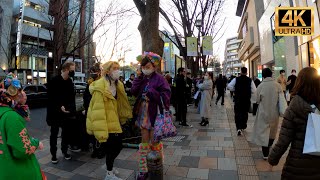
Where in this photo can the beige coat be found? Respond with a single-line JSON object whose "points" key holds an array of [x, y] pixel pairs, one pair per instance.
{"points": [[267, 119]]}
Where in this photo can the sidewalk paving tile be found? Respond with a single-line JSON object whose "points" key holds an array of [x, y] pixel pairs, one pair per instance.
{"points": [[216, 153], [198, 173], [269, 175], [245, 161], [229, 154], [208, 163], [244, 177], [67, 165], [78, 177], [200, 153], [247, 170], [177, 171], [223, 175], [126, 164], [182, 152], [189, 161], [243, 153], [172, 160], [227, 164]]}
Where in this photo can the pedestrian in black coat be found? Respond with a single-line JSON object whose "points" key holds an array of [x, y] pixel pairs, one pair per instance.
{"points": [[221, 84]]}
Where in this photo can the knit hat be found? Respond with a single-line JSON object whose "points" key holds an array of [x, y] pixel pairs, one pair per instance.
{"points": [[12, 84], [152, 57]]}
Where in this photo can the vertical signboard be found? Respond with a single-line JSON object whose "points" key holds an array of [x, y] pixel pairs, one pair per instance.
{"points": [[192, 46], [207, 45], [19, 33]]}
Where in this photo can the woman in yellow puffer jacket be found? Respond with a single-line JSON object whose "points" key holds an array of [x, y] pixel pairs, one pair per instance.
{"points": [[108, 110]]}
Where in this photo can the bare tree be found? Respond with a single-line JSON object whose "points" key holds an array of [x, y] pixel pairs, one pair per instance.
{"points": [[149, 25], [181, 16], [67, 19]]}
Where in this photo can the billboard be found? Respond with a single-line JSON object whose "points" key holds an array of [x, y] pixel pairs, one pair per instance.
{"points": [[207, 45], [192, 46]]}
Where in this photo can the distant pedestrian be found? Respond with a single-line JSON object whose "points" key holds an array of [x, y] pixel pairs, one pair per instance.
{"points": [[206, 90], [290, 83], [17, 148], [282, 80], [189, 88], [109, 109], [221, 85], [243, 88], [256, 81], [181, 103], [128, 84], [95, 74], [61, 111], [292, 134], [267, 120]]}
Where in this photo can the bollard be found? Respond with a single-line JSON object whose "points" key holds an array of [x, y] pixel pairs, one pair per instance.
{"points": [[155, 166]]}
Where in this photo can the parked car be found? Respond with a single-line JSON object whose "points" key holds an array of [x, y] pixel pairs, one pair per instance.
{"points": [[36, 94]]}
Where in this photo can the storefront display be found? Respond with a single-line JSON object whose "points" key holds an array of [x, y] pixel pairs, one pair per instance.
{"points": [[314, 53]]}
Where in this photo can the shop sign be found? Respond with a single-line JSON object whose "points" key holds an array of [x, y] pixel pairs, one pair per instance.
{"points": [[294, 21], [278, 68]]}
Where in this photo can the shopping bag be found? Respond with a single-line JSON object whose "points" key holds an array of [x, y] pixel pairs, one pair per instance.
{"points": [[196, 95], [282, 104], [163, 126], [288, 96], [312, 137]]}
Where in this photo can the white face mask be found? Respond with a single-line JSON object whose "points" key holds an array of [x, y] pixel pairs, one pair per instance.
{"points": [[293, 73], [206, 77], [115, 75], [147, 71]]}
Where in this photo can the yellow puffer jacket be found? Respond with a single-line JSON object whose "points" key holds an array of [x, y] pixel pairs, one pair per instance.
{"points": [[105, 113]]}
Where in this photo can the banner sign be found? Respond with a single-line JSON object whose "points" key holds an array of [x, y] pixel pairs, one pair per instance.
{"points": [[207, 45], [192, 46]]}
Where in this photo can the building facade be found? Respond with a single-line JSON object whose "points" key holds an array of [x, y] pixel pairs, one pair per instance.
{"points": [[231, 63], [73, 39], [250, 12], [6, 7], [277, 52], [30, 38], [309, 46]]}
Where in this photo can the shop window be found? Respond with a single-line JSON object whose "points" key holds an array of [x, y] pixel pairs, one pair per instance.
{"points": [[244, 29], [314, 53]]}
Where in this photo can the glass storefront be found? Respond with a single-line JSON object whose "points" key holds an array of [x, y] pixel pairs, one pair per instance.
{"points": [[279, 50], [314, 53]]}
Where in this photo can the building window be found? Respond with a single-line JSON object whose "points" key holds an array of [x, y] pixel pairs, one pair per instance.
{"points": [[244, 29]]}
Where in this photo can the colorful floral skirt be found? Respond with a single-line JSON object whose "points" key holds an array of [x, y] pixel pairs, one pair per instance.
{"points": [[143, 119]]}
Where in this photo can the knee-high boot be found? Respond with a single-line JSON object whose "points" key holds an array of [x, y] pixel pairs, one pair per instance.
{"points": [[158, 147], [144, 149]]}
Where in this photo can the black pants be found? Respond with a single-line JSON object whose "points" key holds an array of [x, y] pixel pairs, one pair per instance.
{"points": [[181, 113], [65, 138], [220, 95], [241, 111], [112, 147], [265, 150]]}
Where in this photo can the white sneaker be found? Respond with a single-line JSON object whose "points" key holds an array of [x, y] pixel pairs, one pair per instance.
{"points": [[239, 132], [115, 171], [111, 176], [265, 158]]}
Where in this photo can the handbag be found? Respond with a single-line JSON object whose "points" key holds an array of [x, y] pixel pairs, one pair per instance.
{"points": [[255, 109], [312, 138], [282, 104], [163, 126]]}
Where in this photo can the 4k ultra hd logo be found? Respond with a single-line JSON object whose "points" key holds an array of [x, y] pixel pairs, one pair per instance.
{"points": [[294, 21]]}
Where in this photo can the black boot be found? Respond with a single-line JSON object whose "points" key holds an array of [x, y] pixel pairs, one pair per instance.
{"points": [[202, 121]]}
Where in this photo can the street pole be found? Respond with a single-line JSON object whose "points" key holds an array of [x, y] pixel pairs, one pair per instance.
{"points": [[199, 50], [37, 61]]}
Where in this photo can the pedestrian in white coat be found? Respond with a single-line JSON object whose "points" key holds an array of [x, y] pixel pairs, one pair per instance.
{"points": [[266, 123], [206, 93]]}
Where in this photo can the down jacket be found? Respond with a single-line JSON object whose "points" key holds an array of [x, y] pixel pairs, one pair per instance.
{"points": [[105, 113], [298, 166]]}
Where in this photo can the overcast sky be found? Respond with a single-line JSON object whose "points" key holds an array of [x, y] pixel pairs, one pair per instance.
{"points": [[130, 40]]}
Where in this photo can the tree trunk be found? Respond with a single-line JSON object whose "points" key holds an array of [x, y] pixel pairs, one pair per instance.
{"points": [[149, 28]]}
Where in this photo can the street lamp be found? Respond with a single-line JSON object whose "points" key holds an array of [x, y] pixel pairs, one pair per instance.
{"points": [[199, 25]]}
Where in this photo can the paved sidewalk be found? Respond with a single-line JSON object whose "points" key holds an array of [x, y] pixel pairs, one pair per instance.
{"points": [[211, 152]]}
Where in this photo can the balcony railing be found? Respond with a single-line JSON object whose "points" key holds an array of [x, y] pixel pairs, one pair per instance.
{"points": [[33, 31]]}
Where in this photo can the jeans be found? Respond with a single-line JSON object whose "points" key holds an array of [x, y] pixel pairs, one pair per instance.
{"points": [[265, 150], [112, 147]]}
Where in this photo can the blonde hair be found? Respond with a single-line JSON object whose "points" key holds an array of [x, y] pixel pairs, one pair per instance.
{"points": [[107, 66]]}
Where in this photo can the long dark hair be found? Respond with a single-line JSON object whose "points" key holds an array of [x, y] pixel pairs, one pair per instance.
{"points": [[307, 85]]}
